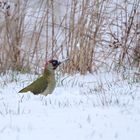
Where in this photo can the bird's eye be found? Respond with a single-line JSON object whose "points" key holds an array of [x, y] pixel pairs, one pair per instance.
{"points": [[54, 62]]}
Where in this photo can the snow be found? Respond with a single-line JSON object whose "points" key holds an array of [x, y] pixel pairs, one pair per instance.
{"points": [[92, 107]]}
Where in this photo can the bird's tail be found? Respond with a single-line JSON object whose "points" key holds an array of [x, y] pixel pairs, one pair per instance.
{"points": [[23, 90]]}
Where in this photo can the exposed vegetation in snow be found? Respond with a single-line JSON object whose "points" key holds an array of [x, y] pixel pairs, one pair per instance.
{"points": [[101, 38]]}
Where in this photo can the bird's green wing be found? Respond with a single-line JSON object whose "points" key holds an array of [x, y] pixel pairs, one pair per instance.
{"points": [[37, 86]]}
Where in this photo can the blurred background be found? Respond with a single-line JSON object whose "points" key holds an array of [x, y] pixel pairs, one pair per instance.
{"points": [[95, 35]]}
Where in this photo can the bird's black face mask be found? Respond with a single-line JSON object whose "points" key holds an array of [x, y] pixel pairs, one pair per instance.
{"points": [[55, 63]]}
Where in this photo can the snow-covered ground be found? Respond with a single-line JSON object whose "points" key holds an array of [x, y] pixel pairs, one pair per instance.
{"points": [[91, 107]]}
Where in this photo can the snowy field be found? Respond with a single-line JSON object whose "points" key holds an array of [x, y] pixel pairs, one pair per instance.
{"points": [[92, 107]]}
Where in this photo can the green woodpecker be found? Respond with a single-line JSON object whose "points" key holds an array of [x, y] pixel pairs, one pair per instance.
{"points": [[46, 83]]}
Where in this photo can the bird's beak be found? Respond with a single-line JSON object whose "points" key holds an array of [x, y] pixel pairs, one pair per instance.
{"points": [[64, 60], [59, 63]]}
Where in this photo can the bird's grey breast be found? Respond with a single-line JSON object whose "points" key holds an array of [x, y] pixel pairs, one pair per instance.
{"points": [[51, 85]]}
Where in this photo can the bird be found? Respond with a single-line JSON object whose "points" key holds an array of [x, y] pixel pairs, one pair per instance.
{"points": [[45, 84]]}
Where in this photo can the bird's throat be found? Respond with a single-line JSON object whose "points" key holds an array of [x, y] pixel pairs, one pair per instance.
{"points": [[48, 70]]}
